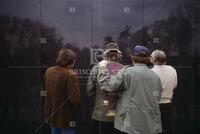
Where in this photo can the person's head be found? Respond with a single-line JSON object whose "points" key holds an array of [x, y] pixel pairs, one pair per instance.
{"points": [[66, 57], [140, 54], [158, 57], [112, 52]]}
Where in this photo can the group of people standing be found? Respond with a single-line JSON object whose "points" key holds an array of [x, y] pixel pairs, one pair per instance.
{"points": [[131, 99]]}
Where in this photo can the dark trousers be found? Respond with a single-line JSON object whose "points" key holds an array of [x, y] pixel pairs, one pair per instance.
{"points": [[100, 127], [167, 118], [62, 130], [119, 132]]}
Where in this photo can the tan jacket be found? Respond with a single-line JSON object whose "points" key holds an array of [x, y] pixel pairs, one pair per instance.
{"points": [[62, 96], [103, 102]]}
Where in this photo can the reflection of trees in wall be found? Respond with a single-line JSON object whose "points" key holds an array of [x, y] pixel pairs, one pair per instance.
{"points": [[193, 12], [22, 37], [20, 45], [108, 39], [175, 34], [21, 51], [124, 43], [27, 47]]}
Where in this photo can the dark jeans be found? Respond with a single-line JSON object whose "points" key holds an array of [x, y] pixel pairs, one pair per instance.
{"points": [[119, 132], [100, 127], [62, 130], [167, 118]]}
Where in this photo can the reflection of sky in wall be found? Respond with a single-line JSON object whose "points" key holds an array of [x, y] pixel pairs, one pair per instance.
{"points": [[109, 16]]}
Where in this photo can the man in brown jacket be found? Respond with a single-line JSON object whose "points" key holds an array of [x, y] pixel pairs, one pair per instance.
{"points": [[62, 98]]}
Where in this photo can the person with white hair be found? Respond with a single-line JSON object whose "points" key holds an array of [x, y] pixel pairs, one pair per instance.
{"points": [[168, 77]]}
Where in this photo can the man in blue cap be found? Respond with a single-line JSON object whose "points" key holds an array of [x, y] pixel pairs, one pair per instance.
{"points": [[137, 110]]}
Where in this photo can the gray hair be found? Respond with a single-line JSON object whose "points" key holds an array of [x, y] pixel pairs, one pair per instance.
{"points": [[158, 57]]}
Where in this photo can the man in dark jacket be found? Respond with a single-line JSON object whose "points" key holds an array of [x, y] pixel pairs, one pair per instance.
{"points": [[62, 94]]}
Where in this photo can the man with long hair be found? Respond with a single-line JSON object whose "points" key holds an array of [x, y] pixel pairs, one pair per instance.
{"points": [[62, 94]]}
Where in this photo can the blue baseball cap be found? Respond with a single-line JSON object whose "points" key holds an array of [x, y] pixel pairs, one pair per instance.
{"points": [[141, 51]]}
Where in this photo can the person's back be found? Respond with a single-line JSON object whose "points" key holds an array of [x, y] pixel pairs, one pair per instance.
{"points": [[139, 88], [59, 94], [62, 94], [55, 78], [145, 83], [139, 101], [104, 102], [168, 77]]}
